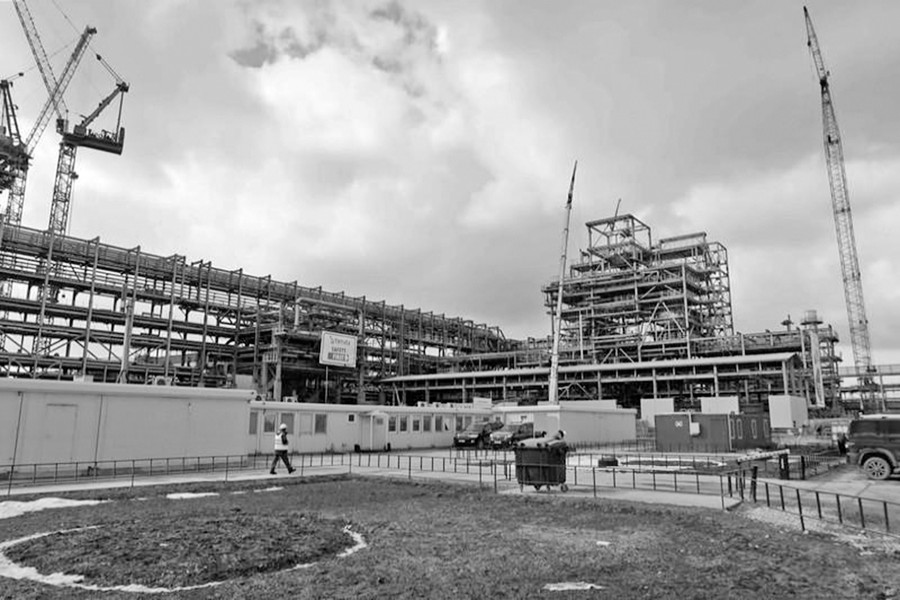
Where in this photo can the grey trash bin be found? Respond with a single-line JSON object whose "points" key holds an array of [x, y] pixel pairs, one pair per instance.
{"points": [[542, 463]]}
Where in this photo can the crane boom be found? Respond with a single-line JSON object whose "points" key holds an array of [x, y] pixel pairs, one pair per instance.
{"points": [[37, 47], [843, 219], [56, 89], [18, 172], [553, 386]]}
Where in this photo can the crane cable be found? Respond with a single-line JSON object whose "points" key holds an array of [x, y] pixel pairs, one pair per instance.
{"points": [[103, 61]]}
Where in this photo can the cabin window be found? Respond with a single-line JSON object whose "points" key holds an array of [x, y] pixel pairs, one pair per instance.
{"points": [[740, 429], [416, 424], [321, 424], [288, 419], [753, 431], [254, 421], [351, 418], [269, 423], [392, 423], [426, 423], [404, 424], [459, 424], [306, 424], [439, 424]]}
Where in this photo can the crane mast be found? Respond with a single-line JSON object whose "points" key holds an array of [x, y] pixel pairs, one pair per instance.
{"points": [[843, 222]]}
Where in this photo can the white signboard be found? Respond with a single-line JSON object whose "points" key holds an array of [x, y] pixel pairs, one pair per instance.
{"points": [[338, 350]]}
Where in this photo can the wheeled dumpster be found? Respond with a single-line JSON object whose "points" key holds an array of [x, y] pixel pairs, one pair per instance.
{"points": [[541, 462]]}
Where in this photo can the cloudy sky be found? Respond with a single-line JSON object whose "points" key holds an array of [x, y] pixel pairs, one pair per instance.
{"points": [[420, 152]]}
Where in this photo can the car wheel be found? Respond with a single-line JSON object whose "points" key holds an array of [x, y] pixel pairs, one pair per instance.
{"points": [[876, 467], [564, 488]]}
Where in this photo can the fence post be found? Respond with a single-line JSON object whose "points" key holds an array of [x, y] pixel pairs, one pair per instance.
{"points": [[754, 472], [837, 498], [887, 521], [800, 508], [862, 514], [594, 476]]}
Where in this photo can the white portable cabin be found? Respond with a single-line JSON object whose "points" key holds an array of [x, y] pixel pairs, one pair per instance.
{"points": [[64, 421], [316, 427], [650, 407], [787, 412], [584, 421]]}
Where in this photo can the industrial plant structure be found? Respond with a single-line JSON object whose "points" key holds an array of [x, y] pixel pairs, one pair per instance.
{"points": [[640, 319]]}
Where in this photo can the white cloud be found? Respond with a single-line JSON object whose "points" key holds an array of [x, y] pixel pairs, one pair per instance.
{"points": [[779, 229]]}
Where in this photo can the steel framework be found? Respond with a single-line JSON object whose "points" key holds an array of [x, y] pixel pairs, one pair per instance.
{"points": [[127, 315]]}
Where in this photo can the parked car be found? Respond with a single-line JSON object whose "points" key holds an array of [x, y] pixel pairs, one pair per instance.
{"points": [[873, 444], [511, 433], [476, 435]]}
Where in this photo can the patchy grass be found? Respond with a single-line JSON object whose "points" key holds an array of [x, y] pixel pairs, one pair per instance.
{"points": [[430, 540]]}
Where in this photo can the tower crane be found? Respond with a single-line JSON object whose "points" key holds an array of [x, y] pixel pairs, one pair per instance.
{"points": [[843, 222], [14, 171], [80, 135]]}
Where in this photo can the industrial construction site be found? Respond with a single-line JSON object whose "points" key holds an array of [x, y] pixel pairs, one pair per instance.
{"points": [[635, 315], [213, 431]]}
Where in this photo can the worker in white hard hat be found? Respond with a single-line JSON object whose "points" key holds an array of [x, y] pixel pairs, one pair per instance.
{"points": [[281, 450]]}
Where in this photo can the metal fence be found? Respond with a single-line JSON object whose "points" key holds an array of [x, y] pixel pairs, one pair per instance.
{"points": [[585, 473], [850, 510]]}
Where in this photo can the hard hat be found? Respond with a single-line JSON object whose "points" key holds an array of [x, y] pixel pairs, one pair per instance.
{"points": [[283, 426]]}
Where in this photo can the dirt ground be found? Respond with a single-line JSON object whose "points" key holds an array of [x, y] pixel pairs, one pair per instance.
{"points": [[375, 538]]}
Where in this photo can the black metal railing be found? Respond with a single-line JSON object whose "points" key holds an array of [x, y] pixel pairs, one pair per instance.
{"points": [[807, 503], [580, 472]]}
